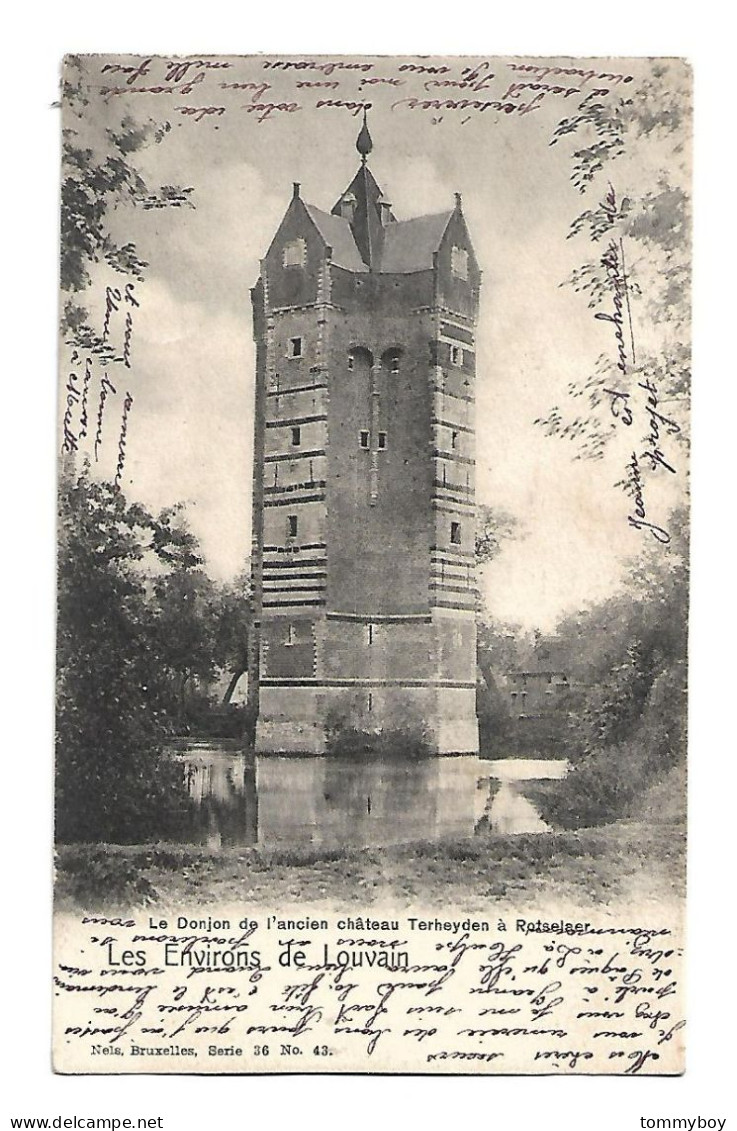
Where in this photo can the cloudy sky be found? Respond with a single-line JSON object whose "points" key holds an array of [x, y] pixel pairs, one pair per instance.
{"points": [[192, 358]]}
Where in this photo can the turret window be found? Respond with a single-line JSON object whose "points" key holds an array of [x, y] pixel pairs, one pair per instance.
{"points": [[459, 262], [295, 347], [295, 253]]}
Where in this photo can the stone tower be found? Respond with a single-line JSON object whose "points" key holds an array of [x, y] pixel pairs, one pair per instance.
{"points": [[363, 498]]}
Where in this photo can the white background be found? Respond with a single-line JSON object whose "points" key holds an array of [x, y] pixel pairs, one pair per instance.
{"points": [[35, 42]]}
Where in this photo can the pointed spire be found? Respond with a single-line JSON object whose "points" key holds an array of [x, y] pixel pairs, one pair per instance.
{"points": [[361, 204], [364, 144]]}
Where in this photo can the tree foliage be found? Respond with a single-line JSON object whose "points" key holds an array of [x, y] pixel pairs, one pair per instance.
{"points": [[494, 526], [113, 781], [627, 707], [232, 629], [648, 220], [99, 175]]}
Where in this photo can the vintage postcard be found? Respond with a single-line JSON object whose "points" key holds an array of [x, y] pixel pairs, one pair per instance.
{"points": [[373, 565]]}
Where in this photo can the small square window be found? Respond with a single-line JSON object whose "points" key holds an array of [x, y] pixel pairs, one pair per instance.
{"points": [[296, 437], [382, 441], [456, 355], [455, 533], [292, 525], [295, 347], [364, 439], [294, 253]]}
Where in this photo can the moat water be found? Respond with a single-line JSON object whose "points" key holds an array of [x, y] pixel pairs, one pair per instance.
{"points": [[298, 801]]}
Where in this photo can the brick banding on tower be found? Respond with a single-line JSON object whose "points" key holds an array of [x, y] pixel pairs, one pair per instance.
{"points": [[363, 569]]}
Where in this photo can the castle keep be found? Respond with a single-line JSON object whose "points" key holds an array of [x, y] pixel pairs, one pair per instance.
{"points": [[363, 498]]}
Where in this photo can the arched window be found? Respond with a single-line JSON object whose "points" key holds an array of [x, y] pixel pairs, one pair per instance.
{"points": [[391, 360]]}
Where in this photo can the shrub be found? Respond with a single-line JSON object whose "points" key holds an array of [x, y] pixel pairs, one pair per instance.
{"points": [[604, 784], [394, 743], [100, 878]]}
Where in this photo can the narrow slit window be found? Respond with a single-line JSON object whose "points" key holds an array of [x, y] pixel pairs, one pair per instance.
{"points": [[350, 361], [296, 437], [370, 629], [394, 365], [370, 702], [291, 635], [364, 438], [455, 533], [456, 355], [292, 525], [295, 347], [382, 441], [454, 439]]}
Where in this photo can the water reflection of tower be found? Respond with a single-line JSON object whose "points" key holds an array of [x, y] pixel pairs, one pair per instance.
{"points": [[223, 789], [364, 485]]}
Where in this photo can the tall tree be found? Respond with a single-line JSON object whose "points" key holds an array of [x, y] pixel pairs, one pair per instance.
{"points": [[232, 629], [113, 782]]}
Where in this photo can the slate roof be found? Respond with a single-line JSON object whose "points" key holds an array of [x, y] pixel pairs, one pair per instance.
{"points": [[338, 235], [365, 243], [409, 245], [366, 225]]}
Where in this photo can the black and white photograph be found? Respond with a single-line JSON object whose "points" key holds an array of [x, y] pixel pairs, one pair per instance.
{"points": [[373, 556]]}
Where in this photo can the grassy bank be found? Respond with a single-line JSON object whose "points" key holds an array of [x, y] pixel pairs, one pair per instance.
{"points": [[629, 861]]}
